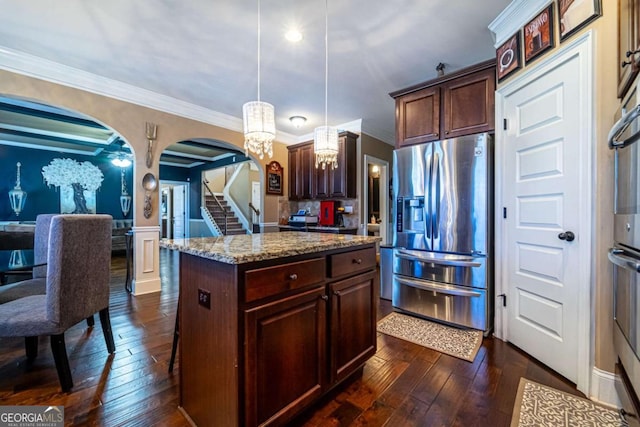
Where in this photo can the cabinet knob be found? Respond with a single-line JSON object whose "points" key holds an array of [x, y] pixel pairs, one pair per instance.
{"points": [[324, 298], [337, 293], [357, 261], [446, 132], [293, 276], [436, 134]]}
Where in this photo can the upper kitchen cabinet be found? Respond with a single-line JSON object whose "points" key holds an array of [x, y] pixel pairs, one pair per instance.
{"points": [[308, 182], [460, 103], [628, 43]]}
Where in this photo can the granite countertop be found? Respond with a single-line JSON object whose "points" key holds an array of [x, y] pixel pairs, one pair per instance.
{"points": [[243, 248], [318, 227]]}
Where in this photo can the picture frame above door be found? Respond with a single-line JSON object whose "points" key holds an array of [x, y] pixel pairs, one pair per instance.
{"points": [[575, 14], [538, 34]]}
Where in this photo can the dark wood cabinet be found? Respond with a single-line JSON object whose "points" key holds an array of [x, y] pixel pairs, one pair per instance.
{"points": [[628, 43], [342, 180], [461, 103], [285, 355], [308, 182], [353, 329], [301, 172], [276, 334], [418, 116]]}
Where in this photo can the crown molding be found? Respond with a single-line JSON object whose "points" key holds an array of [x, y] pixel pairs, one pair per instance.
{"points": [[514, 17], [54, 72]]}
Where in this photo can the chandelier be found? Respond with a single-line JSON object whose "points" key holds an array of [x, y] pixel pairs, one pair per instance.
{"points": [[17, 196], [325, 138], [259, 119]]}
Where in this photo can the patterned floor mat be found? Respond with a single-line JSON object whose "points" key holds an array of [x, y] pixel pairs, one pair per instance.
{"points": [[461, 343]]}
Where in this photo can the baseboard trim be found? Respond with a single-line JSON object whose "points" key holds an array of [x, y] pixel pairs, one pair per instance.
{"points": [[603, 389], [141, 287]]}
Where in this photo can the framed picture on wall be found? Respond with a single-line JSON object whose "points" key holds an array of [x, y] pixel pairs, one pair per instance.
{"points": [[538, 34], [575, 14], [274, 178], [508, 57]]}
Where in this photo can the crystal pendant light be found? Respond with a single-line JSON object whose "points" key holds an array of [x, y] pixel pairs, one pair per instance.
{"points": [[325, 138], [17, 196], [259, 119]]}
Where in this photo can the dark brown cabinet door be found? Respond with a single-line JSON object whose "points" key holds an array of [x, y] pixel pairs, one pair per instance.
{"points": [[307, 171], [468, 104], [353, 324], [285, 357], [322, 185], [343, 178], [294, 172], [418, 117]]}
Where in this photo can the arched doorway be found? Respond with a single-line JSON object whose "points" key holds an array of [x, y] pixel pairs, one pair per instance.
{"points": [[208, 188]]}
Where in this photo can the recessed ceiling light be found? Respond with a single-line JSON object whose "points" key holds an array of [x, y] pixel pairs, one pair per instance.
{"points": [[293, 35], [297, 121]]}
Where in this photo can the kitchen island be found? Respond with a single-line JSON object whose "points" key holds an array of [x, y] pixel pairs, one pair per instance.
{"points": [[271, 322]]}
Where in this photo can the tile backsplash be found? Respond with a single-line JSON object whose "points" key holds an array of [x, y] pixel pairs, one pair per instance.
{"points": [[286, 208]]}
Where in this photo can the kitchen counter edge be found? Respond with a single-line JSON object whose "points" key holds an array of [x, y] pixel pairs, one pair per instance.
{"points": [[240, 249]]}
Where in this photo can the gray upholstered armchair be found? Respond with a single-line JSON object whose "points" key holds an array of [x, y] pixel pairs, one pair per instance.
{"points": [[77, 286]]}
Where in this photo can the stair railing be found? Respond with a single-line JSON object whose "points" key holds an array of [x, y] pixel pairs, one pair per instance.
{"points": [[224, 211], [255, 211]]}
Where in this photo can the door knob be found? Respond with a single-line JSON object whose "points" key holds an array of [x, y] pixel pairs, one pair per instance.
{"points": [[567, 235]]}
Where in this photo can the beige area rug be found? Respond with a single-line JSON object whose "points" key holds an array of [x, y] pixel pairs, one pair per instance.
{"points": [[461, 343], [539, 405]]}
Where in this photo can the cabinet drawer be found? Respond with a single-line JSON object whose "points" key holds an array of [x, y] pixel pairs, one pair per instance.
{"points": [[352, 262], [264, 282]]}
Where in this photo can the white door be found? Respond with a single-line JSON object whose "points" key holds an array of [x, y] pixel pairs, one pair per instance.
{"points": [[179, 211], [545, 192]]}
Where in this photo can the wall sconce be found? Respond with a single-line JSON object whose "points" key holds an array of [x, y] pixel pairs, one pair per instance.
{"points": [[17, 197], [125, 198]]}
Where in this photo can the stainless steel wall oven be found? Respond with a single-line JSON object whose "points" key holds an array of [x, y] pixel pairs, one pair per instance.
{"points": [[625, 257]]}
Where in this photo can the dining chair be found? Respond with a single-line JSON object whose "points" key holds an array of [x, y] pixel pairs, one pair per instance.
{"points": [[77, 286], [36, 284]]}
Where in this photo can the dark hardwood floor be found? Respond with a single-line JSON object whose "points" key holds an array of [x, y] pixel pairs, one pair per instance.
{"points": [[402, 385]]}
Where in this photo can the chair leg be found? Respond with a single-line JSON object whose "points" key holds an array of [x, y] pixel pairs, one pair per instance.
{"points": [[106, 330], [31, 347], [62, 362], [176, 335], [90, 321]]}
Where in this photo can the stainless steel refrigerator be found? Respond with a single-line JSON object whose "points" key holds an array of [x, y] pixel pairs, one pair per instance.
{"points": [[443, 228]]}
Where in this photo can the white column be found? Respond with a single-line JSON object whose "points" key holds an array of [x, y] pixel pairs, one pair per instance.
{"points": [[146, 264]]}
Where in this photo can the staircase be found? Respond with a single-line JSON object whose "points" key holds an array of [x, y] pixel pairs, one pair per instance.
{"points": [[233, 225]]}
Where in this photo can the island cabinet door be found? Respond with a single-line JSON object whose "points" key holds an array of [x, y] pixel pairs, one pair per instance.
{"points": [[285, 357], [352, 323]]}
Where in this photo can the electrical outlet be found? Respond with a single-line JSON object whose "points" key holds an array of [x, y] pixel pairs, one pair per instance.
{"points": [[204, 298]]}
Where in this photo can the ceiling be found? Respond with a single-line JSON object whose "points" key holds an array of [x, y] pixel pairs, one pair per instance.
{"points": [[33, 125], [204, 52]]}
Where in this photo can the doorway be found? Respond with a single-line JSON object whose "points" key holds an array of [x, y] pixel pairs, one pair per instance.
{"points": [[174, 206], [544, 186], [375, 204]]}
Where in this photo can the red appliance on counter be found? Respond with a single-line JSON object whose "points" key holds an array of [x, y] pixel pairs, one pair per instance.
{"points": [[329, 213]]}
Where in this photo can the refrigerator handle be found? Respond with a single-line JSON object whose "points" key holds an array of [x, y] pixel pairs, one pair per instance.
{"points": [[427, 286], [435, 183], [427, 205]]}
